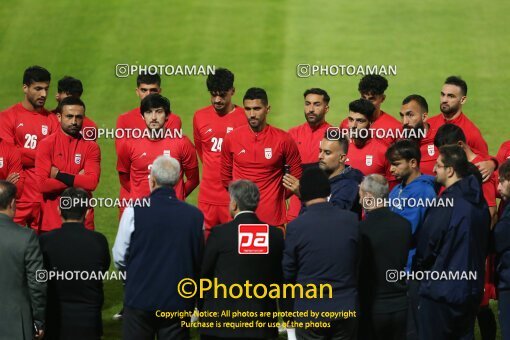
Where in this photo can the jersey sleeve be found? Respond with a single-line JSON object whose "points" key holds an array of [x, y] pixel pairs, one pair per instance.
{"points": [[196, 137], [43, 166], [477, 143], [227, 161], [189, 166], [502, 152], [489, 190], [92, 169], [124, 157], [7, 127], [15, 166], [292, 158]]}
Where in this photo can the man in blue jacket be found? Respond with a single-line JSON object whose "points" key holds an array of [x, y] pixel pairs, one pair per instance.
{"points": [[502, 245], [452, 246]]}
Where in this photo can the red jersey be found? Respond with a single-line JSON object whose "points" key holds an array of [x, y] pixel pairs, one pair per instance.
{"points": [[503, 152], [308, 142], [489, 186], [136, 160], [70, 155], [87, 123], [260, 157], [209, 131], [384, 122], [10, 162], [429, 152], [473, 135], [370, 159], [26, 129]]}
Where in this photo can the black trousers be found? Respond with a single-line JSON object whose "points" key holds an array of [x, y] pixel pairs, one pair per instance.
{"points": [[142, 325], [412, 313], [340, 330], [390, 326]]}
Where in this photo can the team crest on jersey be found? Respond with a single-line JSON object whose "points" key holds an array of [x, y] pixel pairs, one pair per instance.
{"points": [[430, 149], [77, 158], [268, 152], [166, 153], [229, 129], [44, 129], [1, 162], [368, 160]]}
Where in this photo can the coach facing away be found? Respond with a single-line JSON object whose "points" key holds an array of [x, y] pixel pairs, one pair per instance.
{"points": [[225, 261], [321, 247], [158, 246], [22, 298]]}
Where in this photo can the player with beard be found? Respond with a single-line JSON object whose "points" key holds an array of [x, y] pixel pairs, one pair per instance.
{"points": [[210, 126], [365, 153], [372, 87], [414, 115], [453, 97], [308, 136], [25, 125]]}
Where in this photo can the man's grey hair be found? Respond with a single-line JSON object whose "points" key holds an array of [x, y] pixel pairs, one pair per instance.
{"points": [[165, 171], [376, 185], [245, 193]]}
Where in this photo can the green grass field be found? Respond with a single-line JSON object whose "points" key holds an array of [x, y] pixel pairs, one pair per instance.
{"points": [[261, 42]]}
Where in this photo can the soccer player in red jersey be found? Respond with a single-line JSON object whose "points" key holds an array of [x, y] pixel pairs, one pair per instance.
{"points": [[145, 84], [69, 86], [64, 160], [372, 87], [453, 97], [308, 136], [135, 157], [259, 152], [11, 169], [210, 126], [414, 115], [25, 125], [366, 153]]}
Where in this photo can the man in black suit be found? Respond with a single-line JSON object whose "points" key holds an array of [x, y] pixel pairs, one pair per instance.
{"points": [[74, 306], [321, 247], [227, 260]]}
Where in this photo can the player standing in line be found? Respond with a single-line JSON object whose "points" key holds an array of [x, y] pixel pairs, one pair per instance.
{"points": [[371, 87], [414, 115], [145, 84], [260, 153], [210, 126], [453, 97], [67, 87], [65, 160], [308, 136], [135, 157], [25, 125]]}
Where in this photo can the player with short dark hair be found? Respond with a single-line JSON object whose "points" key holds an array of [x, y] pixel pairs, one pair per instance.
{"points": [[308, 136], [65, 160], [259, 152], [211, 124], [372, 88], [135, 158], [25, 125]]}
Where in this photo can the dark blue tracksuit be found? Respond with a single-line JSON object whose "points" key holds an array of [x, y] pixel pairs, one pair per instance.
{"points": [[502, 245]]}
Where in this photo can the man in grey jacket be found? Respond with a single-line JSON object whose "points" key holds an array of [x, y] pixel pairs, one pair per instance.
{"points": [[22, 297]]}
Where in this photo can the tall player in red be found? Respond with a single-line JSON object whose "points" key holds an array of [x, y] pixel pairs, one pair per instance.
{"points": [[11, 169], [308, 136], [210, 126], [64, 160], [414, 115], [145, 84], [25, 125], [67, 87], [135, 157], [260, 152], [453, 97], [372, 87]]}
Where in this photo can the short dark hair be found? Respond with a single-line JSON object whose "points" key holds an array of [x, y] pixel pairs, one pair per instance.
{"points": [[404, 149], [449, 134], [254, 93], [7, 194], [36, 74], [457, 81], [422, 103], [221, 80], [342, 140], [363, 106], [153, 101], [454, 156], [319, 92], [70, 101], [145, 78], [504, 170], [373, 84], [76, 207], [70, 86]]}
